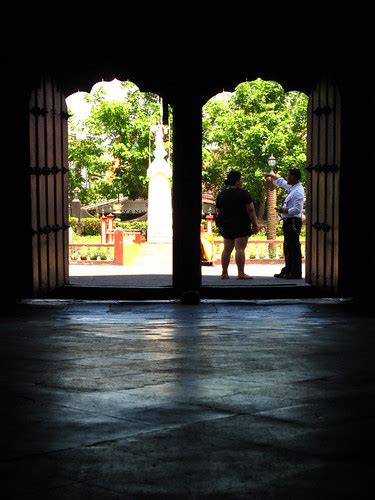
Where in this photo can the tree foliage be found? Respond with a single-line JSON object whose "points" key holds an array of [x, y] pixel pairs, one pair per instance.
{"points": [[115, 152], [241, 130]]}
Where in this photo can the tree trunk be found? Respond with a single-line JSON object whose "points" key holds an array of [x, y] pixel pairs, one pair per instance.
{"points": [[271, 217], [262, 205]]}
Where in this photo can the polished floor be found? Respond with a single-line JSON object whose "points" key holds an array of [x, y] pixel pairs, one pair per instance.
{"points": [[262, 399]]}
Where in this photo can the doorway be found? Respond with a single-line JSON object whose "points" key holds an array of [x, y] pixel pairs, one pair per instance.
{"points": [[257, 128], [49, 191], [120, 187]]}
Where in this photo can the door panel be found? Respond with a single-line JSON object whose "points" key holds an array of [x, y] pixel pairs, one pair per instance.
{"points": [[48, 184], [323, 182]]}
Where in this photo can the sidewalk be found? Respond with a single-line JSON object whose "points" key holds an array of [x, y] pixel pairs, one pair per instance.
{"points": [[150, 270]]}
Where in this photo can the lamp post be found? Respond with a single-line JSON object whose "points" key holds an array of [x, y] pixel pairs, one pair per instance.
{"points": [[271, 204], [272, 163], [117, 210]]}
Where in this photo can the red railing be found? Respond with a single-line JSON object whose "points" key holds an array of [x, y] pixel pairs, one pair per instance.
{"points": [[98, 253]]}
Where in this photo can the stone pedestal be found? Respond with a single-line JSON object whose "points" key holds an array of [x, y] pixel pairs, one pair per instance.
{"points": [[76, 209], [159, 211]]}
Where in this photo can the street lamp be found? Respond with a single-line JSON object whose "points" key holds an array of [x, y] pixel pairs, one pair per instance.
{"points": [[76, 192], [271, 163]]}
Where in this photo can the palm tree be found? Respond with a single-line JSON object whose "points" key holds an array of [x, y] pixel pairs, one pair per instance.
{"points": [[271, 204]]}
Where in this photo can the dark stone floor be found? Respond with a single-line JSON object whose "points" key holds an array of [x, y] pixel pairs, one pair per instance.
{"points": [[264, 400]]}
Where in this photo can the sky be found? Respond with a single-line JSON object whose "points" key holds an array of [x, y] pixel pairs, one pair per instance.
{"points": [[81, 109]]}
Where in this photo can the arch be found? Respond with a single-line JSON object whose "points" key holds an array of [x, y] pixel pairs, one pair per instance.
{"points": [[187, 99]]}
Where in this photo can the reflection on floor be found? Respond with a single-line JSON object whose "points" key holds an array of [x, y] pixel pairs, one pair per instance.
{"points": [[266, 400]]}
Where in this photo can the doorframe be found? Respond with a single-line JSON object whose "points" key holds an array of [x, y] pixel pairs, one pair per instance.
{"points": [[187, 186]]}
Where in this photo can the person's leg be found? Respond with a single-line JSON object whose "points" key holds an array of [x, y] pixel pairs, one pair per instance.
{"points": [[240, 245], [295, 250], [287, 244], [225, 257], [283, 271]]}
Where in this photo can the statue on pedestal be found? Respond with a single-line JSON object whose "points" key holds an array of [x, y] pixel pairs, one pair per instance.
{"points": [[159, 132], [159, 213]]}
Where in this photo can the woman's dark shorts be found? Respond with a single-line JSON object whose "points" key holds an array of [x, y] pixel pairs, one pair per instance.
{"points": [[231, 233]]}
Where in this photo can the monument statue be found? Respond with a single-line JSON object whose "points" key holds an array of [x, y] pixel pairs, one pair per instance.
{"points": [[159, 131]]}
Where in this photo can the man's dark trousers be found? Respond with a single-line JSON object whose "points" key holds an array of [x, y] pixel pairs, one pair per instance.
{"points": [[292, 247]]}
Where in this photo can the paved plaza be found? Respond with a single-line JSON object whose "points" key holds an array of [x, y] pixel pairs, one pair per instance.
{"points": [[153, 267]]}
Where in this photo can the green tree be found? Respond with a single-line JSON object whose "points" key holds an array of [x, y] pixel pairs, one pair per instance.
{"points": [[242, 129], [115, 152]]}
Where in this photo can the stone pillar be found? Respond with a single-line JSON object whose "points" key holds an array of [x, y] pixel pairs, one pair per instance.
{"points": [[110, 230], [209, 221], [187, 193], [76, 204], [119, 246], [103, 229], [159, 212]]}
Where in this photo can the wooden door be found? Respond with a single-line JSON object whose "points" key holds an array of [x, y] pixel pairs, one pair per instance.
{"points": [[49, 187], [323, 186]]}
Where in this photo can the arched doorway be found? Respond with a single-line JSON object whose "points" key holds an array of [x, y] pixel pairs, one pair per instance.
{"points": [[119, 187], [48, 164], [242, 130]]}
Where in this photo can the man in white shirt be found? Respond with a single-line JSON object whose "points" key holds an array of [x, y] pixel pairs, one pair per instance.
{"points": [[291, 213]]}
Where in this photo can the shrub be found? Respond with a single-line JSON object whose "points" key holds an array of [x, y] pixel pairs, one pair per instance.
{"points": [[252, 252], [84, 253], [74, 256], [272, 252], [279, 229], [73, 222], [132, 225], [86, 226], [94, 254], [91, 226]]}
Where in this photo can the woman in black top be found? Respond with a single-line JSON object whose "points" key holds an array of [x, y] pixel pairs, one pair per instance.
{"points": [[235, 214]]}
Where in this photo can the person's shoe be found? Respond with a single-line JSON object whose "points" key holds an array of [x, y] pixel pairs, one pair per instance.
{"points": [[279, 275], [292, 277]]}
